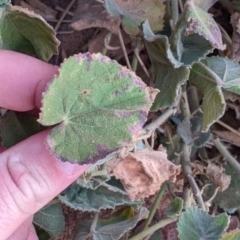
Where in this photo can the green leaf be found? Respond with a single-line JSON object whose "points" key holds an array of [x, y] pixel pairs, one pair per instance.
{"points": [[223, 71], [205, 5], [199, 21], [112, 228], [191, 48], [51, 219], [159, 48], [213, 100], [135, 12], [190, 132], [85, 199], [168, 71], [168, 81], [175, 208], [196, 224], [23, 31], [232, 235], [230, 198], [15, 127], [98, 106]]}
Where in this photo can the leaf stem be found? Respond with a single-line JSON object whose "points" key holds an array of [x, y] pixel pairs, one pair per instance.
{"points": [[174, 11], [223, 150], [185, 161], [137, 49], [155, 205], [94, 223], [184, 103], [154, 228], [107, 40], [159, 121]]}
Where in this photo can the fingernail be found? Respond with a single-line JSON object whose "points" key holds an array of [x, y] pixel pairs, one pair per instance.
{"points": [[69, 168]]}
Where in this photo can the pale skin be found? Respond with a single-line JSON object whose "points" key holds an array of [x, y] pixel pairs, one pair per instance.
{"points": [[30, 176]]}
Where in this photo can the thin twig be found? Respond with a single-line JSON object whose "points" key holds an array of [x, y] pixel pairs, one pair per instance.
{"points": [[136, 53], [137, 49], [124, 49], [64, 15], [154, 228], [159, 121], [228, 127], [62, 10], [65, 32], [226, 154], [196, 192]]}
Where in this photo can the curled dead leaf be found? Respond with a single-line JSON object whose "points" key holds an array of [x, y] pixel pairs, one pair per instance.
{"points": [[216, 174], [142, 173]]}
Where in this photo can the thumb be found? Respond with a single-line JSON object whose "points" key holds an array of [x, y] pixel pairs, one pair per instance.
{"points": [[30, 177]]}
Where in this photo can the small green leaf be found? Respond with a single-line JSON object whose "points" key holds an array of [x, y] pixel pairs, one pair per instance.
{"points": [[196, 224], [205, 5], [135, 12], [51, 219], [230, 198], [213, 100], [15, 127], [23, 31], [168, 71], [112, 228], [192, 48], [199, 21], [232, 235], [168, 81], [190, 132], [85, 199], [175, 208], [98, 106], [159, 48]]}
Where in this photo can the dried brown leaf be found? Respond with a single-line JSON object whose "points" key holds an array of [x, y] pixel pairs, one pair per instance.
{"points": [[216, 174], [235, 21], [40, 8], [228, 136], [142, 173], [91, 13]]}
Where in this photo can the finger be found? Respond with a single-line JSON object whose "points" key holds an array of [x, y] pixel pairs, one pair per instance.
{"points": [[23, 231], [30, 177], [22, 80], [32, 233]]}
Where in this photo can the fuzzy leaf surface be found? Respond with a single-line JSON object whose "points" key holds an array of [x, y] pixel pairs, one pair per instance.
{"points": [[15, 127], [112, 228], [98, 106], [195, 224], [232, 235], [175, 207], [168, 80], [223, 71], [86, 199], [213, 99], [199, 21], [135, 12], [190, 49], [18, 33], [169, 74], [51, 219]]}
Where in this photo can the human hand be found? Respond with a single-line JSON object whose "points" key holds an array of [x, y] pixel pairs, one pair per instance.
{"points": [[30, 176]]}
